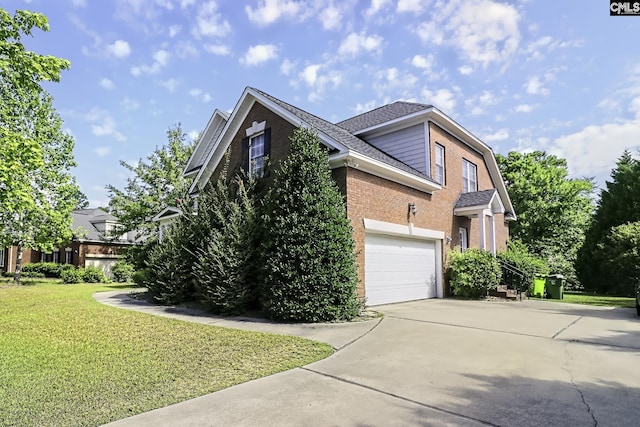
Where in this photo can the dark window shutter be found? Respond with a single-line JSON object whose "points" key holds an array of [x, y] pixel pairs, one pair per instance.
{"points": [[267, 142], [245, 154]]}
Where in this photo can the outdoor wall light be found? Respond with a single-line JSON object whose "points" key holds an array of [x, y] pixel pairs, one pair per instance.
{"points": [[412, 209]]}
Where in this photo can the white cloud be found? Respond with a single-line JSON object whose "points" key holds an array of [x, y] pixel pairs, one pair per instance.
{"points": [[217, 49], [412, 6], [331, 17], [130, 104], [318, 81], [259, 54], [593, 150], [442, 99], [107, 84], [186, 3], [363, 108], [193, 134], [499, 135], [478, 104], [287, 67], [524, 108], [537, 48], [174, 30], [391, 81], [160, 60], [209, 22], [200, 95], [484, 32], [186, 49], [119, 49], [103, 124], [170, 84], [102, 151], [357, 43], [79, 3], [269, 11], [423, 62], [535, 86], [376, 6], [465, 70]]}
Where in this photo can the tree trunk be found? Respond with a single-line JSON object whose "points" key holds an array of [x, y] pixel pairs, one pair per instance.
{"points": [[18, 272]]}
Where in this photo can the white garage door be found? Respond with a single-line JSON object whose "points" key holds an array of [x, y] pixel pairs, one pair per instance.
{"points": [[105, 264], [399, 269]]}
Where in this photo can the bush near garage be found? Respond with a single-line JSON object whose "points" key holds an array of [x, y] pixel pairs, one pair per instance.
{"points": [[74, 275], [473, 273], [93, 274], [122, 271]]}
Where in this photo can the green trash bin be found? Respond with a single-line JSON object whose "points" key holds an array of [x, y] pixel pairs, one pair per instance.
{"points": [[555, 286], [538, 285]]}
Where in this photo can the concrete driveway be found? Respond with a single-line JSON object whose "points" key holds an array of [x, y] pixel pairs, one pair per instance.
{"points": [[449, 362]]}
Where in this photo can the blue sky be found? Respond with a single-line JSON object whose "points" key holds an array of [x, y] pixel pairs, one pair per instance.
{"points": [[521, 75]]}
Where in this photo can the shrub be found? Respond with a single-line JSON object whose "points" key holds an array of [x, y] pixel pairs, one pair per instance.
{"points": [[619, 254], [140, 277], [93, 274], [518, 256], [48, 269], [473, 273], [72, 275], [170, 262], [307, 252], [122, 271], [223, 261]]}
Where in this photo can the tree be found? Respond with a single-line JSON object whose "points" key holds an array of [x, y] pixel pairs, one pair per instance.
{"points": [[553, 210], [619, 204], [154, 184], [37, 191], [309, 269]]}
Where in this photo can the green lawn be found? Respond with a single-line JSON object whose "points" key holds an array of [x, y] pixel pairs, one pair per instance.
{"points": [[591, 299], [68, 360]]}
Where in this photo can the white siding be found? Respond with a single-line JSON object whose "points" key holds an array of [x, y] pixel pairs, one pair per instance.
{"points": [[407, 145]]}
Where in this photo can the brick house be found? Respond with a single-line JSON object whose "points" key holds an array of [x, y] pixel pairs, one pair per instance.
{"points": [[416, 184], [95, 245]]}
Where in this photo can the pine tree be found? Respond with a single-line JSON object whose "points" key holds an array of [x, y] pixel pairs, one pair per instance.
{"points": [[619, 204], [309, 270]]}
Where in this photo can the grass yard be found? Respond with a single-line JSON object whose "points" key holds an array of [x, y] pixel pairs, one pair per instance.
{"points": [[67, 360], [591, 299]]}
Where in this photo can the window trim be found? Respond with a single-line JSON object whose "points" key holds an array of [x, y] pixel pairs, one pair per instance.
{"points": [[439, 149], [467, 167], [463, 237], [257, 170]]}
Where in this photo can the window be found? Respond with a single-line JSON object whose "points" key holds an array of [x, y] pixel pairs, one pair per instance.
{"points": [[256, 154], [464, 239], [256, 147], [2, 255], [440, 164], [56, 257], [68, 257], [469, 177]]}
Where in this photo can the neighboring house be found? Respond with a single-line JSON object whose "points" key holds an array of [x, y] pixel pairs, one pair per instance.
{"points": [[97, 243], [416, 184]]}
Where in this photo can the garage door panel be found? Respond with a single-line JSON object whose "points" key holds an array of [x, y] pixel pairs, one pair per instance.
{"points": [[399, 269]]}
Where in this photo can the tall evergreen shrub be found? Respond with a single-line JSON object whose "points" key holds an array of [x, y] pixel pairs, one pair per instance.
{"points": [[309, 270], [222, 270]]}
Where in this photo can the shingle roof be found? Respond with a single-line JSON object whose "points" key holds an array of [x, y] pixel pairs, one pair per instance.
{"points": [[381, 115], [476, 198], [86, 220], [344, 137]]}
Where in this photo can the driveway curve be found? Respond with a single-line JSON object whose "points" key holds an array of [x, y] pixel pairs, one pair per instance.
{"points": [[443, 362]]}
